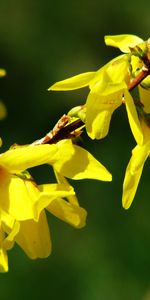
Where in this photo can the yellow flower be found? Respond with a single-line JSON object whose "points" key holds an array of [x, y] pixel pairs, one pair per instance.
{"points": [[107, 86], [22, 204], [33, 235], [139, 154]]}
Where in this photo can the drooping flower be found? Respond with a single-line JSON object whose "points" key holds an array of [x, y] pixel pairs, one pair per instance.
{"points": [[22, 204], [33, 235]]}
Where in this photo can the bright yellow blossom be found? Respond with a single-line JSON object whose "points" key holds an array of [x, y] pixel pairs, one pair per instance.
{"points": [[22, 204], [33, 235], [139, 154], [107, 86]]}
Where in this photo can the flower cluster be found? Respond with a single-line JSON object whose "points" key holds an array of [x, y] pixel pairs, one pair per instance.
{"points": [[111, 87], [24, 204]]}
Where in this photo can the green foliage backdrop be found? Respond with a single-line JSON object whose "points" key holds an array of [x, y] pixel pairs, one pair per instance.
{"points": [[41, 42]]}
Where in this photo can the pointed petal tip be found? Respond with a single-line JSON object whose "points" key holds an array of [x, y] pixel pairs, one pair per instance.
{"points": [[126, 204]]}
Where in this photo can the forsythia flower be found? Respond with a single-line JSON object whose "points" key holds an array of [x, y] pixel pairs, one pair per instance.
{"points": [[22, 216], [139, 154], [106, 90], [107, 87]]}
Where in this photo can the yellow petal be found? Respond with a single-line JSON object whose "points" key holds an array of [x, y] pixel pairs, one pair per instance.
{"points": [[123, 41], [18, 197], [50, 192], [10, 227], [99, 112], [62, 180], [77, 163], [34, 237], [133, 174], [73, 83], [3, 260], [3, 254], [72, 214], [133, 118], [21, 158], [9, 240]]}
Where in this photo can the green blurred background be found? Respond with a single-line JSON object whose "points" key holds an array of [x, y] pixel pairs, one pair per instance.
{"points": [[42, 42]]}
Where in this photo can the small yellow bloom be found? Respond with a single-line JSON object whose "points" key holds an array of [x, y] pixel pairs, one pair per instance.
{"points": [[107, 86]]}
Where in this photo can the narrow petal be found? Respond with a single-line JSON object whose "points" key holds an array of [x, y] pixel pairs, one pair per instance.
{"points": [[9, 240], [21, 158], [77, 163], [3, 260], [133, 174], [133, 118], [71, 214], [3, 253], [34, 237], [73, 83], [10, 227], [123, 41]]}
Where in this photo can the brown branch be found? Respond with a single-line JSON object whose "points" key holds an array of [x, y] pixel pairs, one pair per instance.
{"points": [[135, 81], [66, 132], [62, 131]]}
